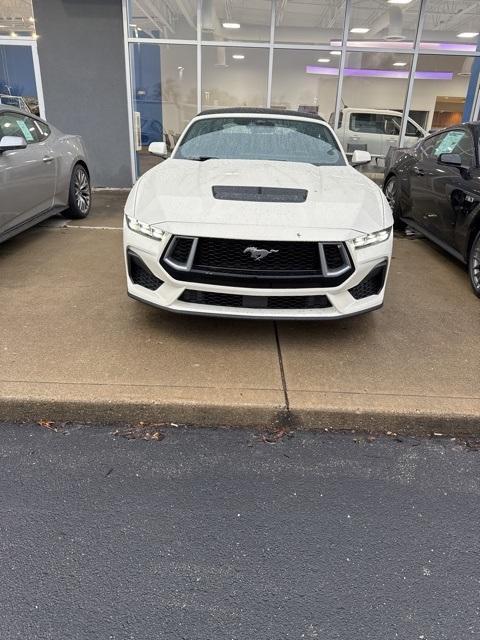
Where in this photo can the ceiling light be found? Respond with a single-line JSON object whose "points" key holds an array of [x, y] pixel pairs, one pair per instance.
{"points": [[238, 56], [399, 1], [31, 19], [359, 30], [35, 36], [399, 64], [13, 34], [230, 25], [335, 53], [468, 34], [323, 60], [134, 26]]}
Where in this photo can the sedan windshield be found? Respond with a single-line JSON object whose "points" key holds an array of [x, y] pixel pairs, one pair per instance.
{"points": [[253, 138]]}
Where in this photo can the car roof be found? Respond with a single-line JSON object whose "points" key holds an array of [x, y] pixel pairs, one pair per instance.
{"points": [[390, 112], [8, 107], [11, 109], [260, 111]]}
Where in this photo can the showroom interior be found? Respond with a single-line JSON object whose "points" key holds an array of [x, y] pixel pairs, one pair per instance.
{"points": [[153, 64]]}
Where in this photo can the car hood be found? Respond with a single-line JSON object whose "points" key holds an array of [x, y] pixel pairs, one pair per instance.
{"points": [[177, 196]]}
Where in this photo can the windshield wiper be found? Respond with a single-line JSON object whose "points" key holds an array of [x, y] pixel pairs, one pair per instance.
{"points": [[201, 158]]}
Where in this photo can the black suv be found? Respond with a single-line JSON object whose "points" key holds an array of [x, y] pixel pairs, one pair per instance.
{"points": [[434, 188]]}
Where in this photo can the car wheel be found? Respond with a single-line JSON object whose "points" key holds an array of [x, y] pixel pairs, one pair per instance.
{"points": [[392, 193], [80, 194], [474, 265]]}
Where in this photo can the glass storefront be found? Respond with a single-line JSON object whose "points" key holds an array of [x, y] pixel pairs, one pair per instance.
{"points": [[19, 69], [371, 61]]}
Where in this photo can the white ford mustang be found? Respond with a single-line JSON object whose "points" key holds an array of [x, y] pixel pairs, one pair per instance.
{"points": [[258, 214]]}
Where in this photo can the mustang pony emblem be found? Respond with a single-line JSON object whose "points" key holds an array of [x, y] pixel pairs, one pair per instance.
{"points": [[259, 254]]}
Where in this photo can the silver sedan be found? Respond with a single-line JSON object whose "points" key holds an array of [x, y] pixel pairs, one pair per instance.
{"points": [[42, 172]]}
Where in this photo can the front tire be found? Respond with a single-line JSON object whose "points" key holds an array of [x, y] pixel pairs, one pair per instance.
{"points": [[474, 265], [80, 194], [392, 193]]}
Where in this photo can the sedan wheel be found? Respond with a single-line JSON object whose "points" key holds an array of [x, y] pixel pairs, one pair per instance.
{"points": [[80, 194], [474, 265], [392, 193]]}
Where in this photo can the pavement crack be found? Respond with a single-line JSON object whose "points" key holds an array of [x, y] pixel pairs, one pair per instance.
{"points": [[282, 369]]}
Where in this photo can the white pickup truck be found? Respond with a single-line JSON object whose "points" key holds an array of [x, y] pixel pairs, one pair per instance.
{"points": [[374, 130]]}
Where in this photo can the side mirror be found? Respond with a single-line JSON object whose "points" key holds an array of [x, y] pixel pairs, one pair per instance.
{"points": [[452, 159], [12, 143], [360, 157], [158, 149]]}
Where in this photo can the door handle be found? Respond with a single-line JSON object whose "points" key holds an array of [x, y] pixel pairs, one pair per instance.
{"points": [[47, 159], [418, 172]]}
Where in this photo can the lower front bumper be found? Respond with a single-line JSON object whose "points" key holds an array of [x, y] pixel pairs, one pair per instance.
{"points": [[226, 312], [159, 289]]}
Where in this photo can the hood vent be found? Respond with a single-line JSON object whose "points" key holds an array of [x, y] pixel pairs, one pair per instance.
{"points": [[259, 194]]}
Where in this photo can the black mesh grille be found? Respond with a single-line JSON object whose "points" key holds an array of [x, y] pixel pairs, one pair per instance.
{"points": [[230, 255], [181, 249], [260, 264], [371, 285], [255, 302], [141, 274]]}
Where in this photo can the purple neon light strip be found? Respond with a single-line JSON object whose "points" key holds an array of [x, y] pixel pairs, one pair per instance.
{"points": [[380, 73]]}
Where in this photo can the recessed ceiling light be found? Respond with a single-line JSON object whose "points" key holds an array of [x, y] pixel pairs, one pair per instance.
{"points": [[35, 36], [13, 34], [335, 53], [230, 25], [323, 60], [399, 1], [467, 34], [31, 19], [360, 30], [399, 64], [238, 56]]}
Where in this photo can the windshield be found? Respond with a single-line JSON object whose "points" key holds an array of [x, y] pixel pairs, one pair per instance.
{"points": [[254, 138]]}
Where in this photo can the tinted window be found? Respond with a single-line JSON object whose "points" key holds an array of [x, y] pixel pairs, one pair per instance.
{"points": [[248, 138], [457, 141], [367, 123], [15, 124]]}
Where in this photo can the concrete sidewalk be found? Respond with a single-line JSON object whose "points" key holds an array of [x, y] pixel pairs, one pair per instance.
{"points": [[73, 346]]}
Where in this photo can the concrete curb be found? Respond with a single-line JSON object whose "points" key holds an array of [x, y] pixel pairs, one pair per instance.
{"points": [[247, 414]]}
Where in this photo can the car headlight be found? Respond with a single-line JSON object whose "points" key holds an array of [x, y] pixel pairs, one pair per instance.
{"points": [[145, 229], [372, 238]]}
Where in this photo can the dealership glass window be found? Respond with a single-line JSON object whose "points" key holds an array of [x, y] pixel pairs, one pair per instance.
{"points": [[18, 86], [234, 76], [305, 80], [373, 81], [236, 20], [444, 89], [165, 95], [390, 25], [451, 26], [313, 22], [16, 19], [166, 19]]}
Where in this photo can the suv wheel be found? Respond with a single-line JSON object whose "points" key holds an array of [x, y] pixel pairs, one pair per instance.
{"points": [[80, 194], [392, 193], [474, 265]]}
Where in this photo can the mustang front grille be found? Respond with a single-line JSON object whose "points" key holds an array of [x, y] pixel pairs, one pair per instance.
{"points": [[264, 264]]}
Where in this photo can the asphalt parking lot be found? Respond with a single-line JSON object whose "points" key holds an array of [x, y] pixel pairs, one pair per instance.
{"points": [[74, 346]]}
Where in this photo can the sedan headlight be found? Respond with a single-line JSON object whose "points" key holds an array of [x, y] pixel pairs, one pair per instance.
{"points": [[145, 229], [372, 238]]}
